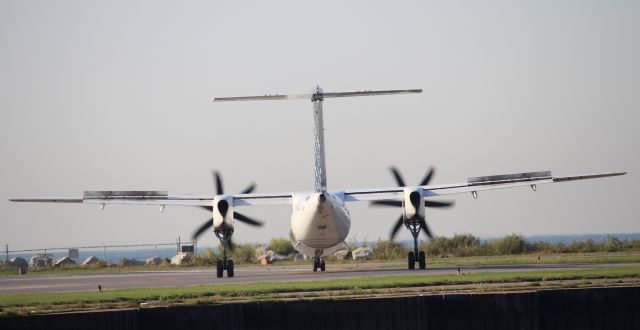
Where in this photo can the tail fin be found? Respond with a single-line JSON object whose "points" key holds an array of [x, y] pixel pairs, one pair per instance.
{"points": [[317, 97]]}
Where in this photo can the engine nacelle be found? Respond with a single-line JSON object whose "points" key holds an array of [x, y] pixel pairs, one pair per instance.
{"points": [[223, 213], [413, 203]]}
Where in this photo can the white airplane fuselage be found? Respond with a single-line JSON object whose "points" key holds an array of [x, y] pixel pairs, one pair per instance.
{"points": [[319, 223]]}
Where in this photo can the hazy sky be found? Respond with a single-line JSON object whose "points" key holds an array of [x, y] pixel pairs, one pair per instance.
{"points": [[115, 95]]}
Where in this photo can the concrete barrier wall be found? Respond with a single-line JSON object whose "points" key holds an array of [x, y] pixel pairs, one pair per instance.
{"points": [[605, 308]]}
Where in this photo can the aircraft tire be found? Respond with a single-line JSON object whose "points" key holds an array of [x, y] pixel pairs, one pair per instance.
{"points": [[411, 260], [230, 268], [219, 269]]}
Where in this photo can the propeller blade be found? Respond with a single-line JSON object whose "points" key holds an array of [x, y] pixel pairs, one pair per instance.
{"points": [[396, 227], [249, 189], [243, 218], [208, 224], [208, 208], [397, 176], [218, 181], [387, 203], [438, 203], [426, 228], [428, 177]]}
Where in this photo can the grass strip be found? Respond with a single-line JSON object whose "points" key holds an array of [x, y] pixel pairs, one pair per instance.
{"points": [[247, 290], [582, 258]]}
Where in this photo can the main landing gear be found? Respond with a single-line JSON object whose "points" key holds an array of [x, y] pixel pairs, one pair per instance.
{"points": [[416, 256], [318, 262], [224, 263]]}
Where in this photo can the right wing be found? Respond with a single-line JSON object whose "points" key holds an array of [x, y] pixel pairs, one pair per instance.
{"points": [[473, 185], [153, 197]]}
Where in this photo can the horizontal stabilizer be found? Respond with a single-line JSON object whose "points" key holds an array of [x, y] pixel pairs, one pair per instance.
{"points": [[264, 97], [318, 94], [371, 93]]}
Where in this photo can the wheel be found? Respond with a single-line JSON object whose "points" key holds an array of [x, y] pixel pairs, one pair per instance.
{"points": [[322, 265], [230, 268], [219, 268], [315, 265], [412, 260], [422, 260]]}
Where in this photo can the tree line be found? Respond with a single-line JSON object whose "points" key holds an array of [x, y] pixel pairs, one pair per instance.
{"points": [[468, 245]]}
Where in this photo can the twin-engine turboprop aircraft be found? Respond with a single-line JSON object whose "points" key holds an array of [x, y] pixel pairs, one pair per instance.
{"points": [[320, 221]]}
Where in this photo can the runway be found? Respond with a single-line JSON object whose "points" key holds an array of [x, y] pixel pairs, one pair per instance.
{"points": [[250, 274]]}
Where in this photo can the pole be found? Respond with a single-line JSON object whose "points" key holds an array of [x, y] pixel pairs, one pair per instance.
{"points": [[104, 253], [6, 248]]}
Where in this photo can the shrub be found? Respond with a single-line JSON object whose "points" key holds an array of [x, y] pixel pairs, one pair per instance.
{"points": [[281, 246], [458, 245], [389, 250], [613, 244], [243, 253], [240, 253], [510, 244], [206, 258]]}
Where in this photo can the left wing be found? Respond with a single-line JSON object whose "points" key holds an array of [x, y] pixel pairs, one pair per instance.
{"points": [[473, 185], [153, 197]]}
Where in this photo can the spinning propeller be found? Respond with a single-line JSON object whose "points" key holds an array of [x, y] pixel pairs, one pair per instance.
{"points": [[223, 207], [415, 198]]}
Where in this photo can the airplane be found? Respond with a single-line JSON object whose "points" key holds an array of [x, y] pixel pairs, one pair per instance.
{"points": [[320, 220]]}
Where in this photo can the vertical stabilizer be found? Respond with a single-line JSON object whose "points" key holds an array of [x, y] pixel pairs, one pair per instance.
{"points": [[318, 135]]}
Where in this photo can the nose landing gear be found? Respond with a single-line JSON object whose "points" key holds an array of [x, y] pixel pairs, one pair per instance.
{"points": [[318, 262]]}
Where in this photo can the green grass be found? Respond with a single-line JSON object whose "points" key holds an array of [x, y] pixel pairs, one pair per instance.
{"points": [[178, 294], [560, 258]]}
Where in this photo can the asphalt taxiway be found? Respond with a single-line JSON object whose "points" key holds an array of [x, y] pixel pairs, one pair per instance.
{"points": [[252, 274]]}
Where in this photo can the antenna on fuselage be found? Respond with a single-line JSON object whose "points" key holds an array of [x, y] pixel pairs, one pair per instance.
{"points": [[316, 98]]}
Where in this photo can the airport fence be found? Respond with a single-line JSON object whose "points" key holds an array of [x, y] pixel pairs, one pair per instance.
{"points": [[108, 252]]}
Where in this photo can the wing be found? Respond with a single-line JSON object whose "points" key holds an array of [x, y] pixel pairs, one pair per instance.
{"points": [[153, 197], [473, 185]]}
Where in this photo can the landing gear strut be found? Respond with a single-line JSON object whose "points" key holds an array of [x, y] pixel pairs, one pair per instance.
{"points": [[416, 256], [224, 263], [318, 262]]}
